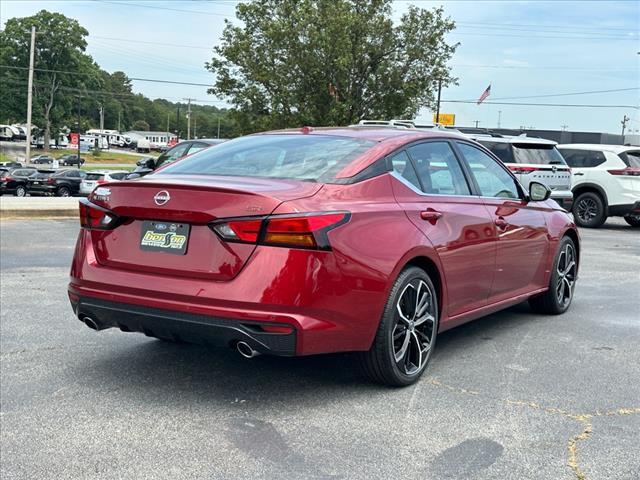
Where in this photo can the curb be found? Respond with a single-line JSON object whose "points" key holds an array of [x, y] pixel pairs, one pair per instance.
{"points": [[25, 213]]}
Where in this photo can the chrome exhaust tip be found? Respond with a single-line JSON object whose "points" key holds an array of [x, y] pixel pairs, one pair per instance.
{"points": [[245, 350], [91, 323]]}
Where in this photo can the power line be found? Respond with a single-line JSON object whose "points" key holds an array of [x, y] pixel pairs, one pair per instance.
{"points": [[580, 27], [128, 40], [570, 94], [556, 37], [156, 7], [544, 104]]}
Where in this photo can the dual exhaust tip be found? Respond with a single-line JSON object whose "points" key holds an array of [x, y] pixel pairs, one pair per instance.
{"points": [[243, 348]]}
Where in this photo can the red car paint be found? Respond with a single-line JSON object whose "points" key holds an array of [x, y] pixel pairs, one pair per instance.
{"points": [[486, 253]]}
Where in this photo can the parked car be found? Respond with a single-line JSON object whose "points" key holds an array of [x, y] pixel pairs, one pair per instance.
{"points": [[42, 160], [323, 240], [181, 150], [606, 182], [98, 177], [532, 160], [11, 164], [62, 183], [70, 159], [15, 181]]}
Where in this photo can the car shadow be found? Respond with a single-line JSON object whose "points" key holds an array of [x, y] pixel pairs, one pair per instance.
{"points": [[173, 371]]}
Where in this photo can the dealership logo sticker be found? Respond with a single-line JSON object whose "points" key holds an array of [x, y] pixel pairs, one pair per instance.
{"points": [[161, 197], [170, 240]]}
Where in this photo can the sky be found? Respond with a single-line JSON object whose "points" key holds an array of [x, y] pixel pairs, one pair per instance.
{"points": [[528, 51]]}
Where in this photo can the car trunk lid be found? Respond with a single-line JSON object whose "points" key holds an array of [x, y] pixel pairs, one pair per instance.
{"points": [[186, 203]]}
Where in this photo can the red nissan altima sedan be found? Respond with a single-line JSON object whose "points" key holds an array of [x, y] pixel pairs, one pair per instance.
{"points": [[309, 241]]}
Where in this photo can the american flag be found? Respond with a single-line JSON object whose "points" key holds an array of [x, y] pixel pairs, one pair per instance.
{"points": [[484, 95]]}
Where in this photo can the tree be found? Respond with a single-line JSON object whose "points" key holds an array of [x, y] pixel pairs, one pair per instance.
{"points": [[140, 125], [329, 62], [60, 47]]}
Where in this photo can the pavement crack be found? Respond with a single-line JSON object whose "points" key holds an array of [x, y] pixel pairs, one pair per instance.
{"points": [[587, 428], [451, 388]]}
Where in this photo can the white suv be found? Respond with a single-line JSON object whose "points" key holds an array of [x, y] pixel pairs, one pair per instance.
{"points": [[532, 160], [606, 182]]}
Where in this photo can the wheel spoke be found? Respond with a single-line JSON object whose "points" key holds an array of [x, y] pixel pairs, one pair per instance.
{"points": [[418, 349], [425, 318], [401, 314], [560, 290], [403, 350], [569, 267]]}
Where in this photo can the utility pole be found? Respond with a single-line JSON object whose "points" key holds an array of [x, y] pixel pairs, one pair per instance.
{"points": [[188, 117], [195, 127], [218, 126], [624, 121], [30, 93], [101, 117], [438, 106], [564, 127], [477, 122], [168, 134], [119, 121], [499, 117], [178, 123], [79, 131]]}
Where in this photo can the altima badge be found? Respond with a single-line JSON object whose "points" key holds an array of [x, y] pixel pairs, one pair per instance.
{"points": [[161, 197]]}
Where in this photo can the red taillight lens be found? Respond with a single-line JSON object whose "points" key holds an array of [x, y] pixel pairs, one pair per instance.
{"points": [[629, 171], [8, 178], [101, 182], [51, 180], [94, 217], [521, 170], [299, 231]]}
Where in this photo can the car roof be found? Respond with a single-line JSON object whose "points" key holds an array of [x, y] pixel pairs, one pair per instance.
{"points": [[599, 146], [479, 137], [106, 172], [375, 134]]}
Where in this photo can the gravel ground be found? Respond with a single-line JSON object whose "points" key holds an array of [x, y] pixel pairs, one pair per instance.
{"points": [[511, 396]]}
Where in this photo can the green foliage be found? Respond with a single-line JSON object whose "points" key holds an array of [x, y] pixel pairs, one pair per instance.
{"points": [[60, 98], [329, 62], [140, 125]]}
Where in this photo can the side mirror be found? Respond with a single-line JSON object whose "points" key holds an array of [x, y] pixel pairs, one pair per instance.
{"points": [[538, 192], [141, 163], [150, 163]]}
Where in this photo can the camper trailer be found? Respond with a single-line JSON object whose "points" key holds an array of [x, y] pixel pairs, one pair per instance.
{"points": [[6, 134], [113, 137]]}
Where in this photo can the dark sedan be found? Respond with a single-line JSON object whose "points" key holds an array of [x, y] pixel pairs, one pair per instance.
{"points": [[15, 181], [63, 183]]}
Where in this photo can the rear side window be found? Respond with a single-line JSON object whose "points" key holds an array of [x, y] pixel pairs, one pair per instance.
{"points": [[94, 176], [117, 175], [537, 154], [402, 165], [582, 158], [631, 159], [303, 157], [502, 150], [438, 169]]}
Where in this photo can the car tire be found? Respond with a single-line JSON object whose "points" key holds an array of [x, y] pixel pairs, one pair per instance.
{"points": [[21, 191], [634, 221], [557, 299], [63, 192], [407, 331], [588, 210]]}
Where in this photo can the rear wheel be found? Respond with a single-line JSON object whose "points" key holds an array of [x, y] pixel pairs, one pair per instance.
{"points": [[407, 332], [64, 192], [588, 210], [633, 220], [558, 298], [21, 191]]}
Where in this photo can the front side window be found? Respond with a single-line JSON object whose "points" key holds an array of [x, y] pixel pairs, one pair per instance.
{"points": [[492, 179], [438, 169], [303, 157], [197, 146], [174, 154]]}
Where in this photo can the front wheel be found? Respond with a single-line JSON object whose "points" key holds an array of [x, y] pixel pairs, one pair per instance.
{"points": [[562, 284], [64, 192], [588, 210], [633, 220], [407, 332]]}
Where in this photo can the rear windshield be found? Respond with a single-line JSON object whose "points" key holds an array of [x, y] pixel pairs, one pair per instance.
{"points": [[537, 154], [303, 157], [94, 176], [631, 159]]}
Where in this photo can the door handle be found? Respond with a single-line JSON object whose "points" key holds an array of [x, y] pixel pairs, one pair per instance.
{"points": [[579, 174], [430, 215], [501, 223]]}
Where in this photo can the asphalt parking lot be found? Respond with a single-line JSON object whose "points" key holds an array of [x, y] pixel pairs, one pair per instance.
{"points": [[511, 396]]}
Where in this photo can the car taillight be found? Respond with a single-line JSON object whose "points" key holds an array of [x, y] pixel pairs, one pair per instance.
{"points": [[8, 178], [94, 217], [296, 231], [51, 181], [629, 171], [521, 170]]}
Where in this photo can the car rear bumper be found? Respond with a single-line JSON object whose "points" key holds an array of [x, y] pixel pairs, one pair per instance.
{"points": [[563, 198], [624, 210], [181, 326]]}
